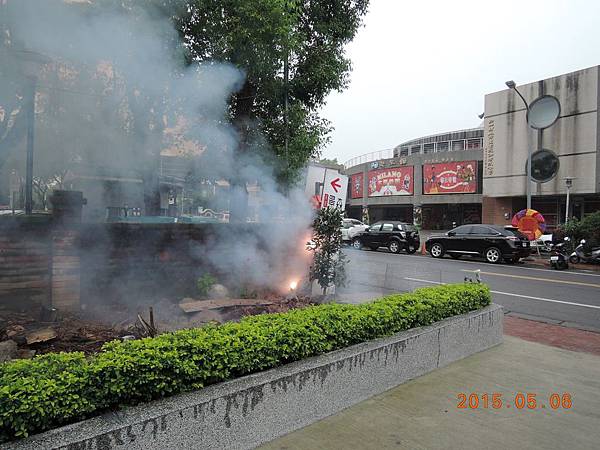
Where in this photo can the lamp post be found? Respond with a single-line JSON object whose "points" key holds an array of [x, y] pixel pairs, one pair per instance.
{"points": [[569, 183], [30, 64], [512, 85]]}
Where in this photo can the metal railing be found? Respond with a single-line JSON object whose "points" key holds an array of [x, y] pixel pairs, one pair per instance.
{"points": [[368, 157]]}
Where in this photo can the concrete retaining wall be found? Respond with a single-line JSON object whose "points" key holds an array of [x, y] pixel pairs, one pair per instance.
{"points": [[248, 411]]}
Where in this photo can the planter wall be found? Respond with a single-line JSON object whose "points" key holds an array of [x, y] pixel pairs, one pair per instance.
{"points": [[248, 411]]}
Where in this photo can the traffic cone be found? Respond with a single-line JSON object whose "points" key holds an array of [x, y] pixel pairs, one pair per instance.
{"points": [[423, 251]]}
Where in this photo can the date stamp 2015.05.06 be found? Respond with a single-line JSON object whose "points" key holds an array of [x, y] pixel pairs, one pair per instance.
{"points": [[517, 400]]}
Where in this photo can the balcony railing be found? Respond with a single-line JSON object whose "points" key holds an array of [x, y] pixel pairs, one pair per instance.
{"points": [[368, 157]]}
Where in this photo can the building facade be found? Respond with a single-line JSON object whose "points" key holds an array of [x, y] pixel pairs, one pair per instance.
{"points": [[480, 174], [434, 181], [568, 148]]}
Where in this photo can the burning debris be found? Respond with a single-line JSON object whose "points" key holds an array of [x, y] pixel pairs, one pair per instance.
{"points": [[23, 335]]}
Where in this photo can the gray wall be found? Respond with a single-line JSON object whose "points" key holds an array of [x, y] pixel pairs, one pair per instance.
{"points": [[574, 137]]}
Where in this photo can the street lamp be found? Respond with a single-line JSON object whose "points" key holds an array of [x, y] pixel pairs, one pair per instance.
{"points": [[569, 183], [512, 85], [30, 64]]}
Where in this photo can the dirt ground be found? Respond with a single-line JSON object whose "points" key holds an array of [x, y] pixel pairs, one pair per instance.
{"points": [[41, 331]]}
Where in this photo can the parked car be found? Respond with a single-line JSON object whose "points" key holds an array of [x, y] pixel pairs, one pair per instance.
{"points": [[492, 242], [351, 227], [394, 235]]}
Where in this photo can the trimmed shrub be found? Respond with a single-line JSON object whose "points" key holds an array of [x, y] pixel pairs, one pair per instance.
{"points": [[55, 389]]}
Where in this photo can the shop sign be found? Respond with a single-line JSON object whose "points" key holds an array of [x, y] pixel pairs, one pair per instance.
{"points": [[334, 190], [450, 178], [357, 185], [396, 181]]}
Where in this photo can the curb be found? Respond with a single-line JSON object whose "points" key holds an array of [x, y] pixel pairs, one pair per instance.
{"points": [[248, 411]]}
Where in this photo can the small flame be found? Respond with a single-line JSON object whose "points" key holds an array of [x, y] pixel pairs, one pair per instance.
{"points": [[293, 285]]}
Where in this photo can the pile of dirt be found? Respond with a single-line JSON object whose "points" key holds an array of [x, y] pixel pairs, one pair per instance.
{"points": [[88, 330], [67, 332]]}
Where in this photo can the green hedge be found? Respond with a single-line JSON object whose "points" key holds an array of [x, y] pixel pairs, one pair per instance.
{"points": [[56, 389]]}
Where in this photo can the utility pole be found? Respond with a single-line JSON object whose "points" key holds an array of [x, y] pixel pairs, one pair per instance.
{"points": [[512, 85], [31, 83], [569, 183], [286, 76]]}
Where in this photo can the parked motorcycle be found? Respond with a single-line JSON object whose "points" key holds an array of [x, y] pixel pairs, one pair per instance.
{"points": [[579, 255], [558, 257]]}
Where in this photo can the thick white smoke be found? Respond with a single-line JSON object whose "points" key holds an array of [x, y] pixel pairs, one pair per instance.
{"points": [[118, 57]]}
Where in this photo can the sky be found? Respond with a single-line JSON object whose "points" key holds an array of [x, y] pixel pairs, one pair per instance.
{"points": [[422, 67]]}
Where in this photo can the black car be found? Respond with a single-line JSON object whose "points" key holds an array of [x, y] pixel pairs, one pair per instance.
{"points": [[394, 235], [492, 242]]}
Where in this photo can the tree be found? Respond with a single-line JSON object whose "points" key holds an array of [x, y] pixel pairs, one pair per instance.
{"points": [[43, 185], [587, 228], [263, 38], [12, 128], [328, 267]]}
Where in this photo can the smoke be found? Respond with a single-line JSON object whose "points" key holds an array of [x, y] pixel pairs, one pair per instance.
{"points": [[117, 93]]}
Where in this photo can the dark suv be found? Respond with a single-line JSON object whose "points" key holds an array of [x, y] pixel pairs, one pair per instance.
{"points": [[394, 235], [492, 242]]}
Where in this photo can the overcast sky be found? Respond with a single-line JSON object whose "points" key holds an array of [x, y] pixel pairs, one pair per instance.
{"points": [[423, 67]]}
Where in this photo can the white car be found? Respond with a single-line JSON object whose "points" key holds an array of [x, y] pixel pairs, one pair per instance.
{"points": [[350, 228]]}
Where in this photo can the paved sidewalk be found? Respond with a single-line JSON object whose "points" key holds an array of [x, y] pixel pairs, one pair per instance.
{"points": [[423, 413], [554, 335]]}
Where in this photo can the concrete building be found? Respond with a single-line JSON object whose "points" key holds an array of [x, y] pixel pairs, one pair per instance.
{"points": [[441, 194], [567, 148], [433, 180]]}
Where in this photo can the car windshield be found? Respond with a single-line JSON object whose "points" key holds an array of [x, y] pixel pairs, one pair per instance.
{"points": [[408, 227]]}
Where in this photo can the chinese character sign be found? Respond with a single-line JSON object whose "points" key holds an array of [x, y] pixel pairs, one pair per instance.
{"points": [[334, 190], [395, 181], [357, 185], [450, 178]]}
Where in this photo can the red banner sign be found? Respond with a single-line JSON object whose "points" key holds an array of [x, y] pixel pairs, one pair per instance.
{"points": [[395, 181], [450, 178], [357, 185]]}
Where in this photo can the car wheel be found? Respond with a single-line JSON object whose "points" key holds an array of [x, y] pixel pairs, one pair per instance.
{"points": [[394, 247], [437, 250], [574, 259], [493, 255], [411, 248], [356, 244], [455, 256]]}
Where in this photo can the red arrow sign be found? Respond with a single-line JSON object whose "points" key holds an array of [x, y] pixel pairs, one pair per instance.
{"points": [[335, 184]]}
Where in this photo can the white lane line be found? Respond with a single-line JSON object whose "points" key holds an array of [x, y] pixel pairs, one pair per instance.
{"points": [[549, 300], [482, 264], [523, 277], [422, 281]]}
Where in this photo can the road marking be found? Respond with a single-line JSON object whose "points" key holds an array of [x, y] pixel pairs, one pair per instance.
{"points": [[584, 305], [549, 300], [523, 277], [422, 281], [582, 272]]}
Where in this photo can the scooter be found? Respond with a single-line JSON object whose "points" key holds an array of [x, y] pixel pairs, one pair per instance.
{"points": [[558, 258], [580, 256]]}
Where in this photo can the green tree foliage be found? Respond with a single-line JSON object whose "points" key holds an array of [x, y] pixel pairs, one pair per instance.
{"points": [[329, 263], [258, 37], [588, 228]]}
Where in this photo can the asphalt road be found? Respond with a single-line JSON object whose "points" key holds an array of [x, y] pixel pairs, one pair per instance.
{"points": [[571, 298]]}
